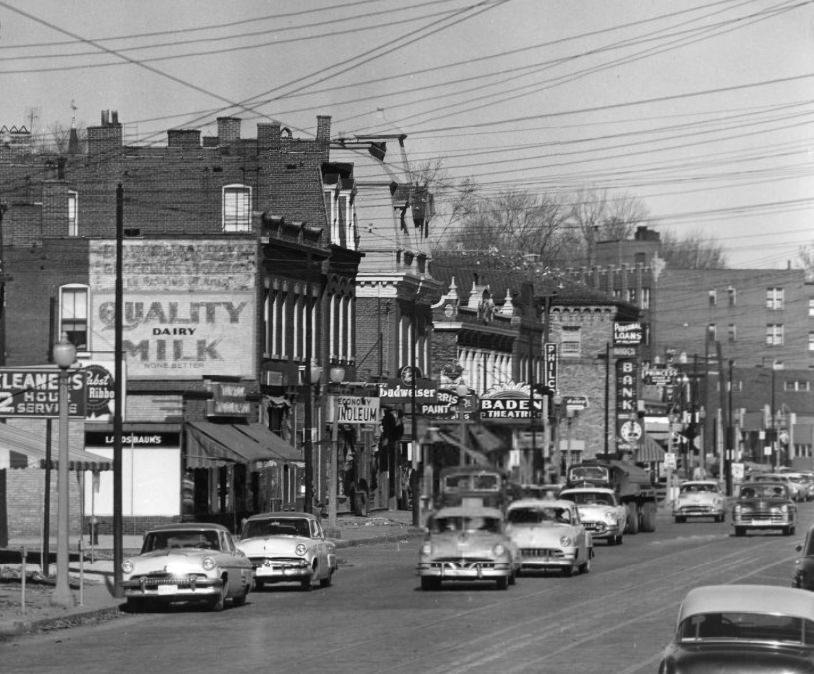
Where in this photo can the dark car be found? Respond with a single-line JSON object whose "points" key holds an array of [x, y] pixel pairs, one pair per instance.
{"points": [[803, 576], [742, 629], [764, 505]]}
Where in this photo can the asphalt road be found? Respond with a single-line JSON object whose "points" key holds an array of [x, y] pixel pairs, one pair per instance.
{"points": [[375, 618]]}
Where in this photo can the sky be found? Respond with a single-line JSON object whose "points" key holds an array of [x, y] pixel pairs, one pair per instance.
{"points": [[701, 109]]}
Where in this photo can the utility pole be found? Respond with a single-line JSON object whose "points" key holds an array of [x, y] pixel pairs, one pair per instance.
{"points": [[118, 348]]}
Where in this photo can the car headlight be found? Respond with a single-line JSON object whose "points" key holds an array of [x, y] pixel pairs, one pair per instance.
{"points": [[566, 542], [208, 563], [499, 550], [300, 550], [128, 566], [784, 508], [610, 518], [426, 549]]}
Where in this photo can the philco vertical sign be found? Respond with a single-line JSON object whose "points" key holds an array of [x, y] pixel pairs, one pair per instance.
{"points": [[550, 365]]}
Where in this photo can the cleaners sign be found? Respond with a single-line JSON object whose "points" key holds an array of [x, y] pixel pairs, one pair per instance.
{"points": [[35, 393]]}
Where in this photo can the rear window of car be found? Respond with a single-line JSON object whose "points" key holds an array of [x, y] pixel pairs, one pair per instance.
{"points": [[289, 526], [163, 540], [747, 627], [536, 515], [466, 524]]}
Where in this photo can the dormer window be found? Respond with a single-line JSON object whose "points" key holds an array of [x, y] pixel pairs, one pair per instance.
{"points": [[73, 210], [237, 211]]}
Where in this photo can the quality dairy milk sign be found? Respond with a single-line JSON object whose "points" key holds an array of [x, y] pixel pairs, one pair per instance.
{"points": [[188, 307]]}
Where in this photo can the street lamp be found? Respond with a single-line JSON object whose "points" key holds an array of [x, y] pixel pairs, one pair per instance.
{"points": [[462, 390], [64, 356]]}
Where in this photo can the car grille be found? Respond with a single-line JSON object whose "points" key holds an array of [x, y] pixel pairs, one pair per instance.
{"points": [[462, 563], [695, 509], [541, 552], [156, 579], [762, 515], [595, 527], [277, 561]]}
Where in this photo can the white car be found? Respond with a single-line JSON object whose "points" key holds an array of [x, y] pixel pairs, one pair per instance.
{"points": [[549, 535], [699, 498], [288, 547], [600, 511]]}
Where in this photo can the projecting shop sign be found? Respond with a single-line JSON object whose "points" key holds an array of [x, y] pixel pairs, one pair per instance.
{"points": [[627, 334], [35, 393], [353, 409]]}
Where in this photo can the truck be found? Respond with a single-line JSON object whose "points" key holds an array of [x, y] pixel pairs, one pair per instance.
{"points": [[631, 484]]}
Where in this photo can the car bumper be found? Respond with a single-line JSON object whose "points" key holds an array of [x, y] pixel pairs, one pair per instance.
{"points": [[172, 589], [698, 511], [762, 524], [464, 570], [280, 573], [602, 529], [548, 559]]}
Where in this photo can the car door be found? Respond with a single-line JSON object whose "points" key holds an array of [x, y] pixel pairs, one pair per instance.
{"points": [[320, 548]]}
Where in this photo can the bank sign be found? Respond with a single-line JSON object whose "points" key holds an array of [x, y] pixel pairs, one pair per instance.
{"points": [[35, 393]]}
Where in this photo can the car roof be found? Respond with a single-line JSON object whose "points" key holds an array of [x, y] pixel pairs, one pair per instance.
{"points": [[774, 599], [604, 490], [287, 514], [188, 526], [712, 482], [468, 511], [540, 503]]}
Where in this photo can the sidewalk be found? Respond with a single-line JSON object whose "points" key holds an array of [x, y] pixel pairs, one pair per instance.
{"points": [[94, 595]]}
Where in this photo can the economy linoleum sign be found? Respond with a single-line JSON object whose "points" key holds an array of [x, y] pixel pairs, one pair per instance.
{"points": [[189, 306]]}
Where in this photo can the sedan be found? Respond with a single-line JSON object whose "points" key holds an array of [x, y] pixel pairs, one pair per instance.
{"points": [[187, 562], [467, 543], [803, 576], [764, 505], [699, 498], [742, 629], [600, 511], [550, 535], [288, 547]]}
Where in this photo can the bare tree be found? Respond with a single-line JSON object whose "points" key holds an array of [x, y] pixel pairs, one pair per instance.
{"points": [[694, 251]]}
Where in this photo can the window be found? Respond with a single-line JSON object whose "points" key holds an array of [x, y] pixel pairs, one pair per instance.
{"points": [[571, 343], [811, 308], [237, 210], [774, 299], [712, 332], [73, 315], [645, 303], [732, 332], [732, 296], [73, 205], [713, 297], [631, 295], [811, 341], [797, 386], [774, 334]]}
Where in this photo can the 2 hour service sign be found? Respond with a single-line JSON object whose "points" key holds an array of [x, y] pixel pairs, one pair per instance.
{"points": [[35, 393]]}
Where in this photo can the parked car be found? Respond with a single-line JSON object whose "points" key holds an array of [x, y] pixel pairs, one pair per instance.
{"points": [[796, 491], [699, 498], [803, 575], [467, 543], [804, 484], [550, 535], [764, 505], [600, 511], [187, 562], [742, 629], [288, 547]]}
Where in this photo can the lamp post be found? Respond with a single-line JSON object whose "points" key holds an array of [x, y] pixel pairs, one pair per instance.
{"points": [[462, 390], [337, 375], [64, 356]]}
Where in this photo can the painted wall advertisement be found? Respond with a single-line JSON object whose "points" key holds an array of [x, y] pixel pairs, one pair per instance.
{"points": [[189, 306]]}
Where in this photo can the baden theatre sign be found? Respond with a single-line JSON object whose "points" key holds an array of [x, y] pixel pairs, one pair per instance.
{"points": [[509, 403]]}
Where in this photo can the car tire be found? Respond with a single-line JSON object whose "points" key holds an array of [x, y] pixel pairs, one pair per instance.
{"points": [[502, 583], [326, 582], [219, 600], [259, 584], [611, 540], [137, 604], [632, 518], [649, 517], [679, 519], [740, 531], [568, 571], [585, 567], [306, 585], [428, 583], [240, 599]]}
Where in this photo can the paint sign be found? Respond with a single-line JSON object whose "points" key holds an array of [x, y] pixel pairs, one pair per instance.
{"points": [[35, 393]]}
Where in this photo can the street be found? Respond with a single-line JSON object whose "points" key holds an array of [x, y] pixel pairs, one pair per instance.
{"points": [[375, 618]]}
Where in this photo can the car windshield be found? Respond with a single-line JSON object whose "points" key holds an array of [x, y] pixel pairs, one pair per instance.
{"points": [[747, 627], [289, 526], [180, 538], [537, 515], [588, 498], [465, 524], [762, 491], [588, 473], [696, 488]]}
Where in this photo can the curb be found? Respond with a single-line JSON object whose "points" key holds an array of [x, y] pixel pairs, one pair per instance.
{"points": [[76, 617], [410, 533]]}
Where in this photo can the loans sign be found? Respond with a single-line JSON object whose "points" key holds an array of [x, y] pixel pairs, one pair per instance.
{"points": [[344, 409], [35, 393]]}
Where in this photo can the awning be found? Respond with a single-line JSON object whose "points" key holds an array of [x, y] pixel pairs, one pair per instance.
{"points": [[32, 446], [649, 450], [210, 444], [474, 455]]}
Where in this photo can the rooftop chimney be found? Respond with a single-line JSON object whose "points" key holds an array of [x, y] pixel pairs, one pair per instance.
{"points": [[228, 130]]}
